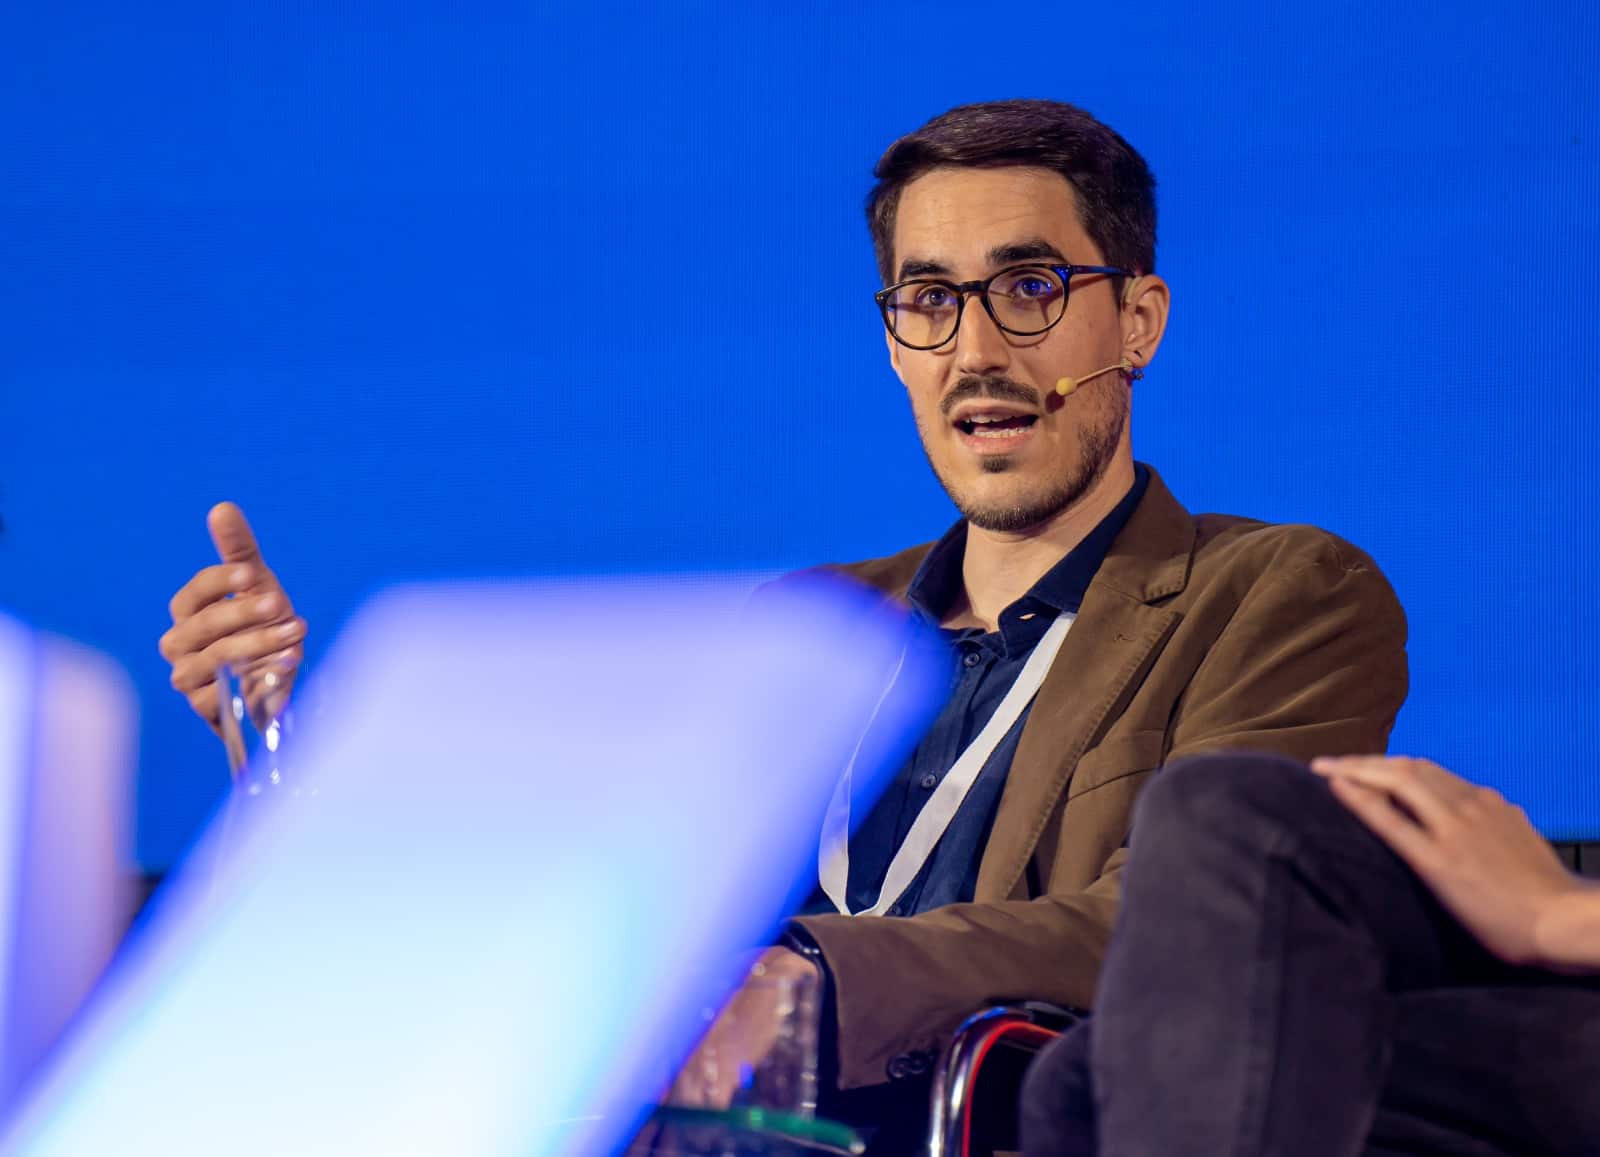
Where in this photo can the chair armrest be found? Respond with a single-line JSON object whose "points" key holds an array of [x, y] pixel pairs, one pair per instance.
{"points": [[1025, 1026], [1060, 1017]]}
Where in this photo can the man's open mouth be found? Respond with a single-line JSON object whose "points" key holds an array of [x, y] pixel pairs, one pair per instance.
{"points": [[995, 425]]}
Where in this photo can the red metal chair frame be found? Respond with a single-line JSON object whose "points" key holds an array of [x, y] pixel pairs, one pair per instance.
{"points": [[1029, 1026]]}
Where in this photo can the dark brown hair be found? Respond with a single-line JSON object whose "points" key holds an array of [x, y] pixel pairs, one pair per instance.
{"points": [[1115, 189]]}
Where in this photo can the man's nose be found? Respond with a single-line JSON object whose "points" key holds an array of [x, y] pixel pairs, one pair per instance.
{"points": [[981, 347]]}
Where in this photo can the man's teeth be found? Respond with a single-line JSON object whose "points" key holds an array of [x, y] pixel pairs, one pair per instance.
{"points": [[995, 425]]}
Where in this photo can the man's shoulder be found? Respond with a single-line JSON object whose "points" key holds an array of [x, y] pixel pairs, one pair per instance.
{"points": [[1228, 541], [1222, 543], [891, 573], [1276, 566]]}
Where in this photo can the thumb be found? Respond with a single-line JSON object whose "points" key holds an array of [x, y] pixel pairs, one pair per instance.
{"points": [[231, 535]]}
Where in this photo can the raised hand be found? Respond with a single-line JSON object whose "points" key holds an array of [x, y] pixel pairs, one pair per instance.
{"points": [[233, 612]]}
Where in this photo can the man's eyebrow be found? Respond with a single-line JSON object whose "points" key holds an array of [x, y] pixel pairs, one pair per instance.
{"points": [[1032, 249], [922, 268]]}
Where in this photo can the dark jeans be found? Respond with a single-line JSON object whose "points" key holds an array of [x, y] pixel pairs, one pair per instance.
{"points": [[1280, 983]]}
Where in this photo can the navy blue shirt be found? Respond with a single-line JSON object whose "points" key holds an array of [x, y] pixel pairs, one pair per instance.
{"points": [[986, 664]]}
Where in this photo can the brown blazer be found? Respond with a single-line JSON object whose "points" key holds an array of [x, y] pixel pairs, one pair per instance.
{"points": [[1198, 633]]}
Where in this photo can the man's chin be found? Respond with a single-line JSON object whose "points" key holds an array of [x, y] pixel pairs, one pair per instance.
{"points": [[1016, 511]]}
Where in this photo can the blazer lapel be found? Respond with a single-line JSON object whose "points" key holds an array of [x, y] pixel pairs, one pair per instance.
{"points": [[1113, 640]]}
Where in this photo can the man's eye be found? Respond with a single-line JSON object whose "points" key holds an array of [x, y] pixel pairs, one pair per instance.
{"points": [[1033, 288], [934, 297]]}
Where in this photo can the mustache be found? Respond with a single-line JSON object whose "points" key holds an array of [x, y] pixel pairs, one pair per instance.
{"points": [[988, 386]]}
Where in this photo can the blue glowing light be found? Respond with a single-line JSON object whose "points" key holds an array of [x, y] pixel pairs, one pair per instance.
{"points": [[548, 821]]}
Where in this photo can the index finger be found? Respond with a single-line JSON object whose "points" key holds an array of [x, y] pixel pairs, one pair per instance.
{"points": [[1375, 808], [1424, 789], [231, 534], [209, 585]]}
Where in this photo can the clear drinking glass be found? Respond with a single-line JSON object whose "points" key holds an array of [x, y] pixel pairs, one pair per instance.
{"points": [[252, 707], [785, 1080], [765, 1049], [257, 727], [779, 1077]]}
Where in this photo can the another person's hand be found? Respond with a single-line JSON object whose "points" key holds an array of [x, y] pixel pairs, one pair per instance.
{"points": [[742, 1035], [233, 612], [1480, 856]]}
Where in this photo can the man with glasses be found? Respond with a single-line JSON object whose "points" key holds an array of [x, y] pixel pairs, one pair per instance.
{"points": [[1098, 628]]}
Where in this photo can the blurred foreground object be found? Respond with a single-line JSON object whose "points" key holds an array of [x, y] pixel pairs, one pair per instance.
{"points": [[548, 822], [67, 730]]}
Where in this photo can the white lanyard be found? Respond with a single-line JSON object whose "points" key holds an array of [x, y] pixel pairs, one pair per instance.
{"points": [[833, 859]]}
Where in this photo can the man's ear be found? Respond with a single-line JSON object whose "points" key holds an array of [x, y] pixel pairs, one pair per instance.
{"points": [[1145, 303], [894, 355]]}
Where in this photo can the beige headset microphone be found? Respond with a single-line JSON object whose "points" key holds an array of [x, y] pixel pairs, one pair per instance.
{"points": [[1065, 385]]}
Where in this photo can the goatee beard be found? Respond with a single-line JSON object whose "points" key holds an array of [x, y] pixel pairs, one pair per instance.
{"points": [[1098, 438]]}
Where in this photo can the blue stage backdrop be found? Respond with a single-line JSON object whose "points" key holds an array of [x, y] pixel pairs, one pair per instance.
{"points": [[499, 289]]}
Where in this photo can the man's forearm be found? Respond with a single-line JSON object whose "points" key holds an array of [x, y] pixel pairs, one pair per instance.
{"points": [[903, 984]]}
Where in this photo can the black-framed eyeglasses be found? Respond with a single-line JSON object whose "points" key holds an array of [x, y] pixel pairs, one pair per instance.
{"points": [[925, 312]]}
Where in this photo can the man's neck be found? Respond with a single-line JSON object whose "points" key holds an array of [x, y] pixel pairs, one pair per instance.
{"points": [[999, 567]]}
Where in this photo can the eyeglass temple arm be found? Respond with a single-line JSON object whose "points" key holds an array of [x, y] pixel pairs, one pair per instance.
{"points": [[1096, 269]]}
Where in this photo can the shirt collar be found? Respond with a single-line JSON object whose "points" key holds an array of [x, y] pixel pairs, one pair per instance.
{"points": [[938, 580]]}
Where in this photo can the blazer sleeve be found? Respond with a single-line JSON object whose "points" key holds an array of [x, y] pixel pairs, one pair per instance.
{"points": [[1312, 662]]}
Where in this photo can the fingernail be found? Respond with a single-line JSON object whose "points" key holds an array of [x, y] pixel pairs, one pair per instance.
{"points": [[266, 604], [289, 630]]}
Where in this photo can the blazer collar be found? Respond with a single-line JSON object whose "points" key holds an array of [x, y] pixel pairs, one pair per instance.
{"points": [[1147, 562], [1118, 634], [1150, 559]]}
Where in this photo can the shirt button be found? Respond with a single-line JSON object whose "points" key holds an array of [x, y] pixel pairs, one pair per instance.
{"points": [[971, 659], [929, 781], [897, 910]]}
